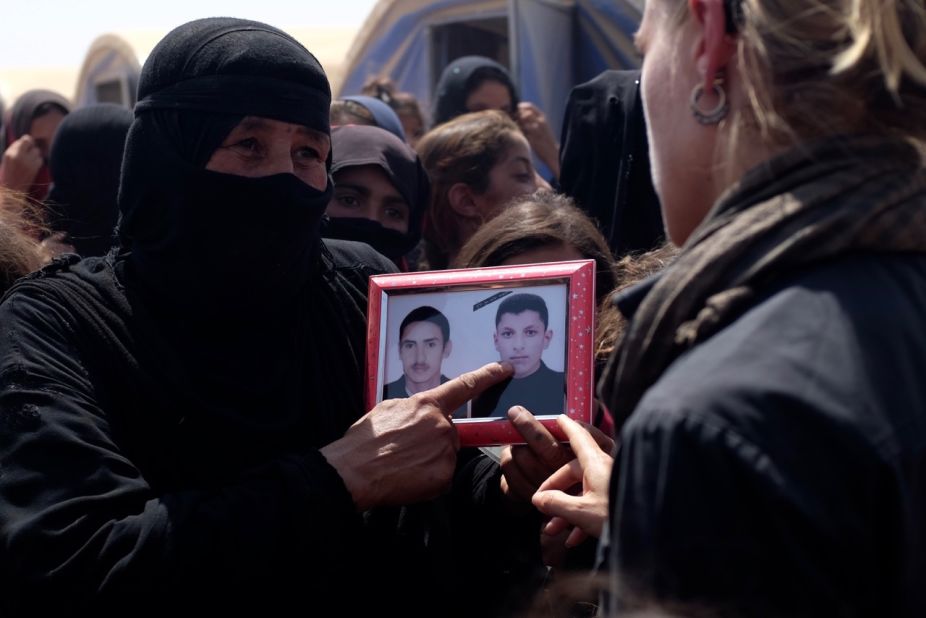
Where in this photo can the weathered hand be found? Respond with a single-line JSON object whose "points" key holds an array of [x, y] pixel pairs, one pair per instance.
{"points": [[592, 469], [404, 450]]}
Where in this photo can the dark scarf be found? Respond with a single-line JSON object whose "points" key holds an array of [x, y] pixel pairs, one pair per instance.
{"points": [[808, 205], [233, 299], [355, 146], [22, 113], [85, 160], [460, 78], [605, 161]]}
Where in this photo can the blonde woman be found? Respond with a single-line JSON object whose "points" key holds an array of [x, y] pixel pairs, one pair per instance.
{"points": [[773, 448]]}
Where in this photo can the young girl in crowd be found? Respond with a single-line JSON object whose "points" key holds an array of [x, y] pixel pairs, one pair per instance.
{"points": [[542, 227], [380, 191], [476, 162], [769, 385]]}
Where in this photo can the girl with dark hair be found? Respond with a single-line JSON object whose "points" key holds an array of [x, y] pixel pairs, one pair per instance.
{"points": [[476, 162]]}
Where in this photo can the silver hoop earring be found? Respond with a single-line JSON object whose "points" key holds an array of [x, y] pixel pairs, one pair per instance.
{"points": [[720, 110]]}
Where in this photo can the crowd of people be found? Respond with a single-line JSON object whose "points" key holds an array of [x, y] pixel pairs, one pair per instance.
{"points": [[183, 330]]}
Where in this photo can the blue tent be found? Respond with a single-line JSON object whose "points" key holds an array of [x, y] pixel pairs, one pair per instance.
{"points": [[549, 45]]}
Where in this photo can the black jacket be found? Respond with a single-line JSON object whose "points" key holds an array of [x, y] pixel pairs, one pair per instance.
{"points": [[118, 496], [779, 468]]}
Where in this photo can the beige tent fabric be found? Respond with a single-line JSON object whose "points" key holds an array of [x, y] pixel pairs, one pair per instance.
{"points": [[330, 45]]}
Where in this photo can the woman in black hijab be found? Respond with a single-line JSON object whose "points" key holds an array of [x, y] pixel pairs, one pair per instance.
{"points": [[27, 139], [183, 418], [476, 83], [381, 191], [86, 157]]}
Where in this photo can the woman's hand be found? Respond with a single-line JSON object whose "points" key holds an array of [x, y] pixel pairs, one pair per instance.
{"points": [[20, 164], [591, 468], [539, 135], [404, 450]]}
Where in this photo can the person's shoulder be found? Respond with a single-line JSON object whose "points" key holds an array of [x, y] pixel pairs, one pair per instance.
{"points": [[830, 346], [348, 254]]}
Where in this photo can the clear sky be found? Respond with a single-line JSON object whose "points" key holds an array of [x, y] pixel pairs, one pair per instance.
{"points": [[45, 33]]}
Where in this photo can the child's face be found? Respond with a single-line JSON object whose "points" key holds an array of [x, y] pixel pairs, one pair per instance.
{"points": [[520, 339]]}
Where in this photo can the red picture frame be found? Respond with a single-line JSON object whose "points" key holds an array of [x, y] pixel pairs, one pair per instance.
{"points": [[474, 300]]}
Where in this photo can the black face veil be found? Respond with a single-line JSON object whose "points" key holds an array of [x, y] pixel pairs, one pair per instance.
{"points": [[200, 243], [357, 146], [236, 305]]}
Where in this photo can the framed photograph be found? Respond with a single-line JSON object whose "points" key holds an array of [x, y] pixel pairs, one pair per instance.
{"points": [[428, 327]]}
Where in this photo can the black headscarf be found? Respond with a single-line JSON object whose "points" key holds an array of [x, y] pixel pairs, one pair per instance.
{"points": [[605, 161], [233, 294], [354, 146], [85, 161], [460, 78], [183, 225]]}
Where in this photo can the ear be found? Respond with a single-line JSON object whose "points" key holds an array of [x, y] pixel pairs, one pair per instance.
{"points": [[495, 339], [715, 47], [448, 348], [547, 336], [461, 200]]}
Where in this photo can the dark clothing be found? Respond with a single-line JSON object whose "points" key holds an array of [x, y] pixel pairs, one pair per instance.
{"points": [[357, 146], [542, 392], [775, 465], [776, 469], [460, 78], [605, 164], [85, 161], [118, 484], [397, 390]]}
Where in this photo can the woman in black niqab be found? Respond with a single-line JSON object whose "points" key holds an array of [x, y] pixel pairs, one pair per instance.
{"points": [[176, 390], [85, 161], [361, 146]]}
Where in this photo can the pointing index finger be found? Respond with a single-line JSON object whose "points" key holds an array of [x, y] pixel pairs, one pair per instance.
{"points": [[454, 393]]}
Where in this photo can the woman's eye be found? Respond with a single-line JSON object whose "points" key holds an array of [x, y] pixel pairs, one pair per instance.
{"points": [[307, 155], [348, 201], [248, 144], [398, 214]]}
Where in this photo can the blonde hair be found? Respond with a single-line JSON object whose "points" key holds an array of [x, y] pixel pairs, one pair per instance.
{"points": [[20, 252], [820, 67]]}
